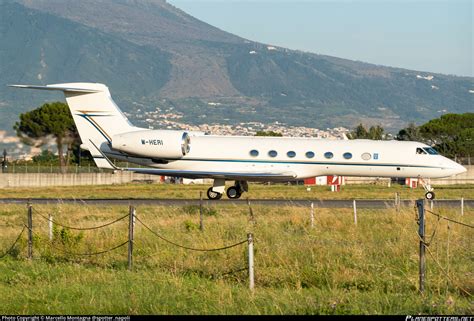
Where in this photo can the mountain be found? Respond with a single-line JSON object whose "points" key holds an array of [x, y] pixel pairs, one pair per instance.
{"points": [[152, 54]]}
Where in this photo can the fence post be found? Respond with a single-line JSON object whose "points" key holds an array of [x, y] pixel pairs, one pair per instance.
{"points": [[462, 206], [201, 221], [355, 211], [312, 214], [130, 235], [30, 231], [398, 201], [50, 223], [421, 233], [252, 217], [251, 272]]}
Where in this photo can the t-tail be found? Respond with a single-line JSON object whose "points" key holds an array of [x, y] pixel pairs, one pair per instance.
{"points": [[95, 114]]}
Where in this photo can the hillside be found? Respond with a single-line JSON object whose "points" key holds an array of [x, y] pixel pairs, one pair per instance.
{"points": [[152, 54]]}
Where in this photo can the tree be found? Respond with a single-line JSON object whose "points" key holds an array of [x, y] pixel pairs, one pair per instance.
{"points": [[268, 133], [411, 133], [451, 134], [51, 120], [374, 132]]}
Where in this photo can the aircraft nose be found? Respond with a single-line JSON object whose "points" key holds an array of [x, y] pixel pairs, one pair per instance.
{"points": [[458, 168]]}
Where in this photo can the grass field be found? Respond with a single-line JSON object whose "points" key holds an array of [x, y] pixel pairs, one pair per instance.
{"points": [[336, 267], [256, 191]]}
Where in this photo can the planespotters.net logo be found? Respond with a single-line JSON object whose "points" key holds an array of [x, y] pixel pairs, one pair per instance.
{"points": [[440, 318]]}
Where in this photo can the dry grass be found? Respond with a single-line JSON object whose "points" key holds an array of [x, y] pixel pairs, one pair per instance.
{"points": [[334, 268], [257, 191]]}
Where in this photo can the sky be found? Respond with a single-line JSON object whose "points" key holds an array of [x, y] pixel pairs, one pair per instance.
{"points": [[435, 36]]}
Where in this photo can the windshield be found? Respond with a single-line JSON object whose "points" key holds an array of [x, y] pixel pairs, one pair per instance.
{"points": [[421, 151], [431, 150], [426, 150]]}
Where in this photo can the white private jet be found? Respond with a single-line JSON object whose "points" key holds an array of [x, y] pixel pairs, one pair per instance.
{"points": [[107, 133]]}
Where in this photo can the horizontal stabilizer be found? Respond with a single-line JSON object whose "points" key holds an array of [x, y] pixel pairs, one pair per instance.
{"points": [[58, 88]]}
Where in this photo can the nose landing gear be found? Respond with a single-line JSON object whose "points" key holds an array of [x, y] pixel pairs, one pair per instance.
{"points": [[429, 195]]}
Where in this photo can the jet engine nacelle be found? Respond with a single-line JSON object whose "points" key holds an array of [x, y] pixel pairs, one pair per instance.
{"points": [[161, 144]]}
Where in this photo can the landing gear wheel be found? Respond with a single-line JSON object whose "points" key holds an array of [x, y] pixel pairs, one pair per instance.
{"points": [[430, 196], [213, 195], [233, 192]]}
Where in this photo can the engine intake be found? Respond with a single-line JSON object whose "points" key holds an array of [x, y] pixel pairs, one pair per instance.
{"points": [[160, 144]]}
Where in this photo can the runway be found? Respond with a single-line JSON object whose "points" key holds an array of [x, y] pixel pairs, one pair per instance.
{"points": [[318, 203]]}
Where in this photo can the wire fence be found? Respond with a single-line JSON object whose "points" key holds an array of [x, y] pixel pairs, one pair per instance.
{"points": [[80, 228], [13, 245], [428, 244], [130, 241], [187, 247], [427, 241], [53, 168]]}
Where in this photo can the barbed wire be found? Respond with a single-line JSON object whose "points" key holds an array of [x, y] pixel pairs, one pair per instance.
{"points": [[14, 243], [442, 269], [186, 247], [80, 228], [434, 233], [449, 219]]}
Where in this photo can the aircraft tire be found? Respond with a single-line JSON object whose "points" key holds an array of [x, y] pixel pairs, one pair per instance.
{"points": [[214, 196], [430, 196], [233, 192]]}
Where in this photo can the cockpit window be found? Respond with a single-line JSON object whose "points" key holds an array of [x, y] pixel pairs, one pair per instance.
{"points": [[426, 150], [431, 151], [420, 151]]}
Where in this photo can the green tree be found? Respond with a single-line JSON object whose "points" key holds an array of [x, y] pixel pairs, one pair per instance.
{"points": [[46, 156], [451, 134], [361, 132], [411, 133], [50, 121], [268, 133]]}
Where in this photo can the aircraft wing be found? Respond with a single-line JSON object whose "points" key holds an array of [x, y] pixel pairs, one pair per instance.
{"points": [[255, 176]]}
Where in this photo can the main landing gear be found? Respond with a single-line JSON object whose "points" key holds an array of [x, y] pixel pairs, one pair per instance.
{"points": [[234, 192], [429, 195]]}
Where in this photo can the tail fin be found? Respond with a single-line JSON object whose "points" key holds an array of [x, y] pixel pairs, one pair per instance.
{"points": [[96, 115]]}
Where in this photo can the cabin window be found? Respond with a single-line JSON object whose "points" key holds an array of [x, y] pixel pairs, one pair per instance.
{"points": [[309, 154], [291, 154], [254, 153], [272, 153], [366, 156], [328, 155], [420, 151], [347, 155]]}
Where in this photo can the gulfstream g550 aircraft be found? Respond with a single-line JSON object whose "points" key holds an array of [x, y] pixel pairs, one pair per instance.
{"points": [[107, 133]]}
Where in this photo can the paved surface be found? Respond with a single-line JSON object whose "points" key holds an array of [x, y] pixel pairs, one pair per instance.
{"points": [[269, 202]]}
